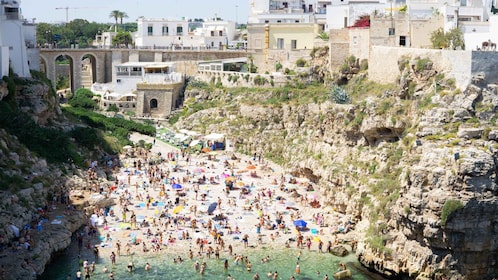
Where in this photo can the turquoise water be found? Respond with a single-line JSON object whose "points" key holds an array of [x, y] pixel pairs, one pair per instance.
{"points": [[283, 261]]}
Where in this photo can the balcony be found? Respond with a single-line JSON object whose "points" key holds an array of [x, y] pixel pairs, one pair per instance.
{"points": [[12, 15]]}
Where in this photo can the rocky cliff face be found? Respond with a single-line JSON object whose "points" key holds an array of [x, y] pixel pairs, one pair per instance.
{"points": [[27, 186], [416, 167]]}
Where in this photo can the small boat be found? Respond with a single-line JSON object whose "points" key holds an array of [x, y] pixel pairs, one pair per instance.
{"points": [[343, 274]]}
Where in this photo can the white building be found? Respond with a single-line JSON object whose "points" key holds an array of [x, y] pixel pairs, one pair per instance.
{"points": [[128, 74], [344, 13], [12, 40], [174, 33], [104, 40]]}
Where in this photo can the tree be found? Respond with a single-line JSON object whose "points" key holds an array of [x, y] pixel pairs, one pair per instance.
{"points": [[122, 15], [122, 38], [455, 39], [452, 39], [115, 14], [438, 39]]}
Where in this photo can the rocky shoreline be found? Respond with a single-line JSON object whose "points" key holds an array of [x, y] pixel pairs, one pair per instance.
{"points": [[47, 240]]}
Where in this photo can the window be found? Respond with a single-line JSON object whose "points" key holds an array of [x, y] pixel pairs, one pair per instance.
{"points": [[149, 30], [402, 40], [212, 33], [391, 31], [165, 30], [220, 33], [355, 40], [153, 103], [280, 43], [345, 22], [179, 30], [293, 44], [118, 81]]}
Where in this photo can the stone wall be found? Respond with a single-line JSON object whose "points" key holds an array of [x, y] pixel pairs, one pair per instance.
{"points": [[238, 79], [383, 63], [485, 63], [167, 97]]}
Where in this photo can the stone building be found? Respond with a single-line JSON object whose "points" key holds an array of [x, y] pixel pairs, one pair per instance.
{"points": [[157, 100], [150, 89]]}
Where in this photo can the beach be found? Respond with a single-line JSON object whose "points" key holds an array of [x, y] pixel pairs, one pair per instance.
{"points": [[187, 210]]}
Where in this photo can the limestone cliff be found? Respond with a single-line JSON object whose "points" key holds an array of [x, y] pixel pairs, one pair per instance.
{"points": [[28, 183], [415, 164]]}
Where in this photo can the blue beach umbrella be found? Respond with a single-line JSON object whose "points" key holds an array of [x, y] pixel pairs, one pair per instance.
{"points": [[212, 207], [176, 186], [300, 223]]}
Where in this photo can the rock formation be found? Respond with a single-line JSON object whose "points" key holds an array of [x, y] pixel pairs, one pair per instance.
{"points": [[398, 162]]}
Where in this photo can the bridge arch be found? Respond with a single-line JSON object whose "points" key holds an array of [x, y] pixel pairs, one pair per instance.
{"points": [[87, 66]]}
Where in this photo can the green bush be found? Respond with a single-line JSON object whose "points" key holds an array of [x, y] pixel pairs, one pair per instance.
{"points": [[83, 99], [260, 81], [421, 64], [449, 207], [118, 127], [113, 108], [339, 95], [50, 143], [278, 66], [301, 62]]}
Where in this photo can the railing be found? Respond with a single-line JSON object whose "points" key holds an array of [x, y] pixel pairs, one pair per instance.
{"points": [[11, 15]]}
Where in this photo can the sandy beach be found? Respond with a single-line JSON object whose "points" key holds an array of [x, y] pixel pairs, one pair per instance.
{"points": [[185, 207]]}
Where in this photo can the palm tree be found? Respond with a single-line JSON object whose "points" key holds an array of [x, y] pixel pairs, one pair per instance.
{"points": [[122, 15], [115, 14]]}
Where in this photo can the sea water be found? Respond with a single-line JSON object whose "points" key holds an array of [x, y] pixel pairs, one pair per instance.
{"points": [[313, 265]]}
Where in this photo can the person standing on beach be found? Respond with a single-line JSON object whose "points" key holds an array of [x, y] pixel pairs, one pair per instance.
{"points": [[246, 240], [118, 247], [96, 252], [225, 265], [113, 258]]}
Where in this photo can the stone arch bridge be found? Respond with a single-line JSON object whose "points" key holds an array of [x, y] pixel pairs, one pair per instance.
{"points": [[98, 66]]}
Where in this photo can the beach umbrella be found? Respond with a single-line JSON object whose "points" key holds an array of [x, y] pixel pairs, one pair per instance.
{"points": [[212, 207], [231, 178], [251, 167], [300, 223], [177, 209], [176, 186]]}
